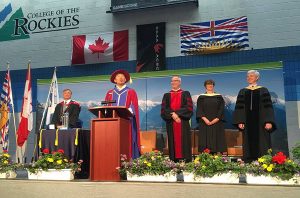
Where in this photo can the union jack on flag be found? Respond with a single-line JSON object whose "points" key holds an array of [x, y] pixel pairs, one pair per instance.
{"points": [[227, 33], [5, 105]]}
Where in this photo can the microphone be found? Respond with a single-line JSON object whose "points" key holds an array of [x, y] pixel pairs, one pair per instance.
{"points": [[106, 102]]}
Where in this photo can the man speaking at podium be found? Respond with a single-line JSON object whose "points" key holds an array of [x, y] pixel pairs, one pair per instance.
{"points": [[66, 106], [125, 96]]}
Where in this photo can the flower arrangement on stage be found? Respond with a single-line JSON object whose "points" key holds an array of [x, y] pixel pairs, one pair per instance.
{"points": [[209, 165], [55, 160], [152, 163], [6, 163], [277, 165]]}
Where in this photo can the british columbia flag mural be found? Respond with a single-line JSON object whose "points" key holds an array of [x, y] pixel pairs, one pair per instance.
{"points": [[214, 36]]}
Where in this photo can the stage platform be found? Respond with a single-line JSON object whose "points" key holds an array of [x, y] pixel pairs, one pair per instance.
{"points": [[21, 188]]}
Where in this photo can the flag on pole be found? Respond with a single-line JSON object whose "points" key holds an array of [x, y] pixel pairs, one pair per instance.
{"points": [[5, 105], [52, 101], [53, 98], [26, 122], [100, 48]]}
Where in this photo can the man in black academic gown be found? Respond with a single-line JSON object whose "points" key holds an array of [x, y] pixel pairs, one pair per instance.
{"points": [[254, 115], [176, 110], [67, 105]]}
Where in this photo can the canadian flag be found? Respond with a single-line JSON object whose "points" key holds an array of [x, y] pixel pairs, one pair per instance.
{"points": [[26, 122], [100, 48]]}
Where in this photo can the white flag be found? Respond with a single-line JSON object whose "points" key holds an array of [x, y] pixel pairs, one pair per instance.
{"points": [[53, 98]]}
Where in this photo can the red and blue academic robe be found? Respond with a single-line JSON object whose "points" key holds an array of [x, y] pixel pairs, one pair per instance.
{"points": [[127, 97], [179, 135]]}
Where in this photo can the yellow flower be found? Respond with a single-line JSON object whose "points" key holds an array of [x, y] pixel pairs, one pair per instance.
{"points": [[50, 159], [289, 161], [5, 162], [261, 160], [6, 155], [271, 165], [265, 166], [269, 169], [216, 156], [149, 164], [59, 161], [153, 158], [145, 162], [65, 160]]}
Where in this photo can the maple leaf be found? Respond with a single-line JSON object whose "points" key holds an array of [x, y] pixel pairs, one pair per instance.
{"points": [[157, 47], [99, 47], [139, 66]]}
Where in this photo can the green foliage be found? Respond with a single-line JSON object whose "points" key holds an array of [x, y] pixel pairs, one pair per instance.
{"points": [[153, 163], [208, 165], [56, 160], [6, 163], [296, 152]]}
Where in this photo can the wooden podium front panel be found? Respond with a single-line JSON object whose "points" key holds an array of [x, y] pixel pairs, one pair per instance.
{"points": [[109, 139]]}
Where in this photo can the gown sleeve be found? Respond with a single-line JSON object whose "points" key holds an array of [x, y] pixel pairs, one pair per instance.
{"points": [[108, 96], [200, 109], [221, 105], [267, 113], [186, 110], [56, 116], [74, 115], [165, 111], [239, 116], [134, 105]]}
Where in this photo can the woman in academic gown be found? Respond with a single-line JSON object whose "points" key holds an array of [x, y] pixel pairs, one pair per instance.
{"points": [[210, 116], [254, 115]]}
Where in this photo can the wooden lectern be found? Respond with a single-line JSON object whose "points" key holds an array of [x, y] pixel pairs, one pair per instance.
{"points": [[110, 137]]}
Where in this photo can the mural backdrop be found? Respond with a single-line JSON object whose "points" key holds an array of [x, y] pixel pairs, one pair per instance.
{"points": [[151, 89]]}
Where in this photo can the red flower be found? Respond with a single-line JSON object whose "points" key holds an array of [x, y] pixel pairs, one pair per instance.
{"points": [[61, 151], [279, 158], [46, 151], [206, 150]]}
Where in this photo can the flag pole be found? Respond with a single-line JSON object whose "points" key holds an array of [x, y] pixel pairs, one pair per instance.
{"points": [[12, 102], [23, 158], [25, 145]]}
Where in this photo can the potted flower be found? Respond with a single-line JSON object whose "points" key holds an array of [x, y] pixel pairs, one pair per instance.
{"points": [[208, 168], [7, 167], [151, 166], [273, 169], [53, 166]]}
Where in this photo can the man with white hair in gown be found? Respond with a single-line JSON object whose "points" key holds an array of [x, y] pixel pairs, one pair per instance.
{"points": [[254, 115]]}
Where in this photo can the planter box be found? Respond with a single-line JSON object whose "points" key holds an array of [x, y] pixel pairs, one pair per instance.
{"points": [[168, 177], [225, 178], [269, 180], [52, 174], [8, 175]]}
